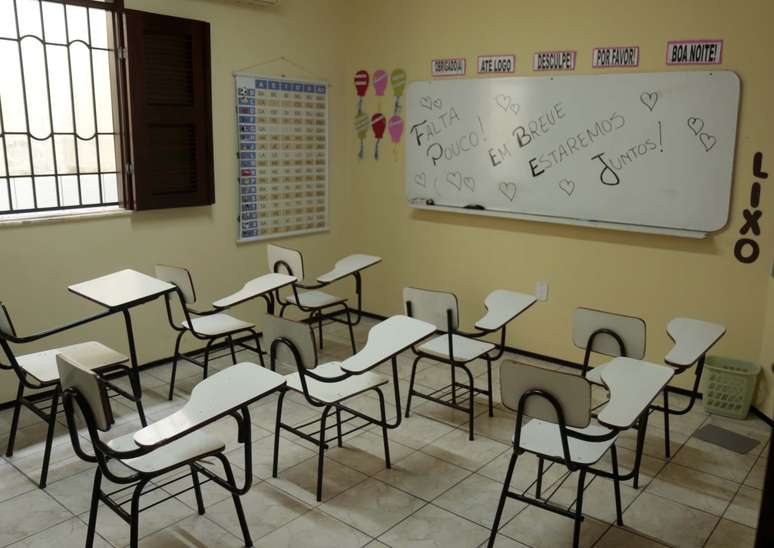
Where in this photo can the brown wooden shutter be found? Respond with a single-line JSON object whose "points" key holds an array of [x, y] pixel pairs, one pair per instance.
{"points": [[170, 112]]}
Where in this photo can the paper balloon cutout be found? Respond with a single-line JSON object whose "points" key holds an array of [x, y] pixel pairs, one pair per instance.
{"points": [[378, 124], [362, 123], [398, 82], [380, 82], [395, 127], [361, 86]]}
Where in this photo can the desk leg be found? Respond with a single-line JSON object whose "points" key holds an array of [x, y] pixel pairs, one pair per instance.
{"points": [[643, 426], [134, 375]]}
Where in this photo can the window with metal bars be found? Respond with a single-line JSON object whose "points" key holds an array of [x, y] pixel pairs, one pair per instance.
{"points": [[60, 138]]}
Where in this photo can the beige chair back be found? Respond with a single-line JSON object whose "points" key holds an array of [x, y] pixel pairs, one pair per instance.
{"points": [[298, 333], [74, 375], [631, 329], [179, 277], [6, 326], [573, 393], [431, 306], [291, 257]]}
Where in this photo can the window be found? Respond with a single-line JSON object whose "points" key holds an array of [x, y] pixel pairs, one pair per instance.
{"points": [[66, 97], [59, 124]]}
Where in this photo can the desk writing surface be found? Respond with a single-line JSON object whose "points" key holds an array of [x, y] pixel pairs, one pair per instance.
{"points": [[387, 339], [121, 288], [255, 288], [213, 398], [502, 306], [633, 385], [693, 338], [347, 266]]}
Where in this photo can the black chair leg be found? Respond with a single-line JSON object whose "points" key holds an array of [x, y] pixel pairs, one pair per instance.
{"points": [[616, 485], [642, 428], [471, 400], [93, 508], [454, 383], [667, 448], [579, 508], [321, 453], [384, 429], [174, 364], [489, 386], [411, 385], [237, 503], [339, 437], [258, 347], [231, 347], [275, 462], [207, 358], [49, 438], [351, 331], [503, 496], [319, 327], [15, 420], [539, 483], [197, 490], [134, 515]]}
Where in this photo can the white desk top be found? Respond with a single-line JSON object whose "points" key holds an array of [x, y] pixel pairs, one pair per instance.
{"points": [[121, 289], [502, 306], [255, 288], [693, 338], [347, 266], [385, 340], [212, 399], [633, 385]]}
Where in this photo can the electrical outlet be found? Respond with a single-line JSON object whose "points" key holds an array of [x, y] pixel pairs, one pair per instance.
{"points": [[541, 291]]}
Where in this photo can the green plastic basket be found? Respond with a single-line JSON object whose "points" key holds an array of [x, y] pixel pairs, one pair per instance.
{"points": [[728, 386]]}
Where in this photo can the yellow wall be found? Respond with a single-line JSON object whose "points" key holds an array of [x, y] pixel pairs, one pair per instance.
{"points": [[656, 277], [40, 261]]}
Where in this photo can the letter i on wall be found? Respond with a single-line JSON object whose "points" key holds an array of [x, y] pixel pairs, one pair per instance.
{"points": [[378, 124], [398, 83], [380, 84], [362, 122], [361, 86], [395, 127]]}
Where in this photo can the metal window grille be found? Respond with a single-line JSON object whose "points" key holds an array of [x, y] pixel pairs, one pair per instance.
{"points": [[59, 114]]}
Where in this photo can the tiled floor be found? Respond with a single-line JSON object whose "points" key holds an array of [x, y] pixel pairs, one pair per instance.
{"points": [[442, 489]]}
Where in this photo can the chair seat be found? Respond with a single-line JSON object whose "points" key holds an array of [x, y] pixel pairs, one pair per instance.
{"points": [[166, 457], [465, 349], [217, 324], [543, 438], [316, 299], [335, 391], [91, 355]]}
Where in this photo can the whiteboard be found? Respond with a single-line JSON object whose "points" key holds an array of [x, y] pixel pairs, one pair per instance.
{"points": [[646, 151]]}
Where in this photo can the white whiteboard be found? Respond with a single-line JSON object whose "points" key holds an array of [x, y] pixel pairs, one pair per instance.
{"points": [[645, 151]]}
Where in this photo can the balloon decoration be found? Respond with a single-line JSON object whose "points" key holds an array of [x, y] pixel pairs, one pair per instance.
{"points": [[395, 127], [361, 126], [378, 124], [398, 82], [381, 79], [361, 85]]}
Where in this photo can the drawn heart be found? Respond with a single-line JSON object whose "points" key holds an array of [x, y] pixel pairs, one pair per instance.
{"points": [[503, 101], [437, 103], [508, 190], [708, 141], [426, 102], [696, 125], [567, 186], [649, 99], [454, 179], [469, 182], [421, 180]]}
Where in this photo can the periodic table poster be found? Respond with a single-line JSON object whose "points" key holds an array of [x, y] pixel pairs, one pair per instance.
{"points": [[283, 156]]}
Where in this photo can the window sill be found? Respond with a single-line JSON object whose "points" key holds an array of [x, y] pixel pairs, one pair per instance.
{"points": [[63, 216]]}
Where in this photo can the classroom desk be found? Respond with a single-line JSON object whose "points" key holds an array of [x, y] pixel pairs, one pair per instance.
{"points": [[214, 398], [633, 385], [350, 265], [262, 286], [693, 339], [120, 291]]}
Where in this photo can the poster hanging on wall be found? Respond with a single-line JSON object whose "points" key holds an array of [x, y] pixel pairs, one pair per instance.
{"points": [[282, 135]]}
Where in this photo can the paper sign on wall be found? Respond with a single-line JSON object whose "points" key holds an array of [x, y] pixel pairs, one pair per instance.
{"points": [[454, 66], [628, 56], [553, 60], [496, 64], [694, 52]]}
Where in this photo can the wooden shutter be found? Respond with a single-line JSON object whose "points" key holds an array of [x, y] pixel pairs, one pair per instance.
{"points": [[170, 112]]}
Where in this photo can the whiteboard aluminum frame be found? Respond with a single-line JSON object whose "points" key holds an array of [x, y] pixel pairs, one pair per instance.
{"points": [[327, 227]]}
